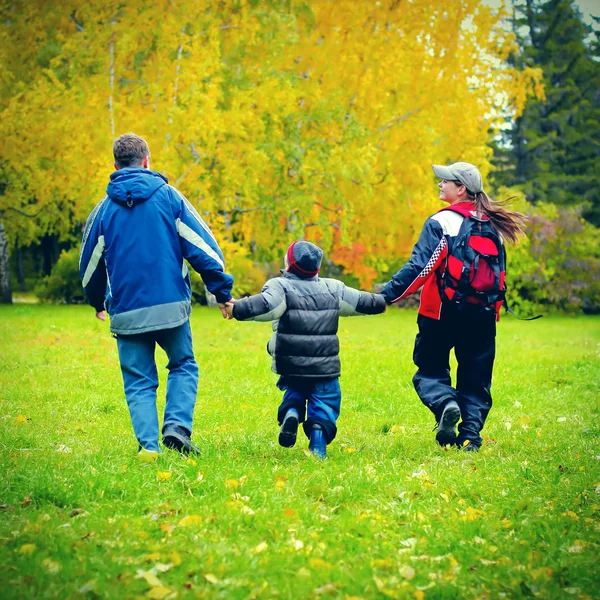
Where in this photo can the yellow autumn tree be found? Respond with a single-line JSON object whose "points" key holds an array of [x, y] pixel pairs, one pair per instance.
{"points": [[278, 120]]}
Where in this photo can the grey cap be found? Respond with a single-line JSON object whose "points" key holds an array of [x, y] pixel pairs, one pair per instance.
{"points": [[464, 172]]}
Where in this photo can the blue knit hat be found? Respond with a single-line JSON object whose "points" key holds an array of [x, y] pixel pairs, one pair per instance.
{"points": [[304, 259]]}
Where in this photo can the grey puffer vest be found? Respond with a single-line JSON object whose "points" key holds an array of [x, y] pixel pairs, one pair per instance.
{"points": [[305, 341]]}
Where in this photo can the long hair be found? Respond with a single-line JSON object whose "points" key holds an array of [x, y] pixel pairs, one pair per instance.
{"points": [[510, 224]]}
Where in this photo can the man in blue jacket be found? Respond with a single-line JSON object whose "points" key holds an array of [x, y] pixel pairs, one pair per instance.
{"points": [[132, 264]]}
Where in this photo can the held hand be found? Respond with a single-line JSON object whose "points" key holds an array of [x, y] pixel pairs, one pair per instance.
{"points": [[227, 309], [101, 315]]}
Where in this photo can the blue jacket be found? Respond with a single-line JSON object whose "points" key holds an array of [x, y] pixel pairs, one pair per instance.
{"points": [[133, 250]]}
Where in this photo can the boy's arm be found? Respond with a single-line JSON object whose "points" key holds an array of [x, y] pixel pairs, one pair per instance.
{"points": [[200, 248], [428, 253], [92, 268], [355, 302], [269, 305]]}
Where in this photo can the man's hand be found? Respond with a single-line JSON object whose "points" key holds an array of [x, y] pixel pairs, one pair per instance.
{"points": [[227, 309], [101, 315]]}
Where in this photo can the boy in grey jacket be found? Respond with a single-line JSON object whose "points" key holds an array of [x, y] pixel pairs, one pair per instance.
{"points": [[304, 347]]}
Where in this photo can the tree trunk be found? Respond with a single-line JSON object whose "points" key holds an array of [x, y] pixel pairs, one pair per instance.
{"points": [[5, 289], [20, 269], [210, 298]]}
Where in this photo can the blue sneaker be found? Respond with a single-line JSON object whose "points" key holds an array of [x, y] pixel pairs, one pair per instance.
{"points": [[445, 430], [177, 438], [317, 444], [289, 429]]}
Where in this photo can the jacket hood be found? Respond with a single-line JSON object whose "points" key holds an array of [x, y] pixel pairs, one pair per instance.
{"points": [[133, 185]]}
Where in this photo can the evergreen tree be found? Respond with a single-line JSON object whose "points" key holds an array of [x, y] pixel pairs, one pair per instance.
{"points": [[552, 150]]}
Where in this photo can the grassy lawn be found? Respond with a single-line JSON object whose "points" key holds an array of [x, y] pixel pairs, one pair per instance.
{"points": [[389, 514]]}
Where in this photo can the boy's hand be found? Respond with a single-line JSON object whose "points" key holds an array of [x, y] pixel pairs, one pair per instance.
{"points": [[227, 309], [101, 315]]}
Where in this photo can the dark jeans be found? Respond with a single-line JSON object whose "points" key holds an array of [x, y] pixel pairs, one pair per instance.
{"points": [[317, 402], [473, 337]]}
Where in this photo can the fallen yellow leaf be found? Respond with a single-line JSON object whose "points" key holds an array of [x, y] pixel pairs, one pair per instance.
{"points": [[163, 475], [260, 548], [20, 419], [319, 563], [211, 578], [232, 483], [158, 592], [150, 578], [27, 549], [190, 520], [51, 565], [407, 572]]}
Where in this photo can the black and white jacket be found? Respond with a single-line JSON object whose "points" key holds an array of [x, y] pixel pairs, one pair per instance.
{"points": [[305, 314]]}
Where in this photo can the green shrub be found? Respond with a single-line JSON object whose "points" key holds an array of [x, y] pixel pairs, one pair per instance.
{"points": [[63, 285], [557, 267]]}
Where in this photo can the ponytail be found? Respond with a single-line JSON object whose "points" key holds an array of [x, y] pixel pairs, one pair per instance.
{"points": [[510, 224]]}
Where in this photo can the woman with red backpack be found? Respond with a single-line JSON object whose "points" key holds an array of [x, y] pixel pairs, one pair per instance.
{"points": [[460, 262]]}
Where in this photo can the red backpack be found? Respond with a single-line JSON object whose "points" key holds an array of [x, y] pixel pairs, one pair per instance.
{"points": [[476, 266]]}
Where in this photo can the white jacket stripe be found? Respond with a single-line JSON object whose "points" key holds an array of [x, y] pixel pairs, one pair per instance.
{"points": [[94, 260], [188, 234], [194, 213]]}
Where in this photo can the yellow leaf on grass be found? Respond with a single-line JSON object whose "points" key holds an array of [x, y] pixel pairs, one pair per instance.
{"points": [[260, 548], [190, 520], [167, 528], [319, 563], [570, 513], [51, 565], [20, 419], [175, 558], [471, 514], [232, 483], [407, 572], [211, 578], [397, 429], [158, 592], [27, 549], [419, 594], [164, 475], [350, 450], [577, 546], [150, 578], [192, 462]]}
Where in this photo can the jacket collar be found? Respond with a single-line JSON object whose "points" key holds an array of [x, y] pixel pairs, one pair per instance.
{"points": [[289, 275]]}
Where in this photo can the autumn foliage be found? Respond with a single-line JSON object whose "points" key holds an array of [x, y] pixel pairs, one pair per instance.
{"points": [[278, 120]]}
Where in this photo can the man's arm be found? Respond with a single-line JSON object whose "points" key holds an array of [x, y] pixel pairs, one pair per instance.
{"points": [[200, 248], [269, 305], [428, 253], [92, 267]]}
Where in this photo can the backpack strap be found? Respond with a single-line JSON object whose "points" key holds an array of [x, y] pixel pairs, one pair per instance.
{"points": [[510, 310]]}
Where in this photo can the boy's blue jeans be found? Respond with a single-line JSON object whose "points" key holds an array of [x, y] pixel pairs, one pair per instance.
{"points": [[136, 354], [323, 397]]}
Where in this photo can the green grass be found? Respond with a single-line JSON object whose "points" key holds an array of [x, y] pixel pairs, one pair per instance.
{"points": [[387, 515]]}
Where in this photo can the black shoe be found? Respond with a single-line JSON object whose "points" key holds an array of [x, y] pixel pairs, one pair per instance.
{"points": [[445, 430], [470, 447], [289, 429], [177, 438]]}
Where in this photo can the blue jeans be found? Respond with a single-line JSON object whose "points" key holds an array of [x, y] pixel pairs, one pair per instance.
{"points": [[136, 354], [323, 397]]}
